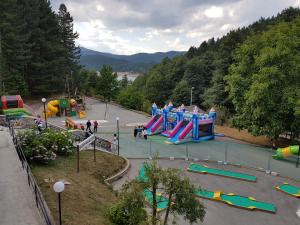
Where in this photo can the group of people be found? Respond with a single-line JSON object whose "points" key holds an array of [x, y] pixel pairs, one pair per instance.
{"points": [[140, 131], [89, 125]]}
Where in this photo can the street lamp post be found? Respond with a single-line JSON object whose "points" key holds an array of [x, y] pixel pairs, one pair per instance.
{"points": [[45, 116], [192, 88], [118, 133], [59, 187]]}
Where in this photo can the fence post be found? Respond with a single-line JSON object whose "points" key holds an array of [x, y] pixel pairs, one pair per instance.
{"points": [[36, 198], [77, 158], [226, 152], [269, 163], [186, 152], [95, 150], [297, 163], [28, 177], [150, 146]]}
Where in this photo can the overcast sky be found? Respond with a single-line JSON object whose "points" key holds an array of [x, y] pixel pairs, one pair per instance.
{"points": [[131, 26]]}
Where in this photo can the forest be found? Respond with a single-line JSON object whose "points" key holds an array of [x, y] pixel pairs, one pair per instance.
{"points": [[37, 51]]}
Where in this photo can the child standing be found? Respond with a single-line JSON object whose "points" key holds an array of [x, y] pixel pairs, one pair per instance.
{"points": [[95, 126]]}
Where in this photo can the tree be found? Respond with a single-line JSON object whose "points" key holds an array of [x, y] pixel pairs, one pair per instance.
{"points": [[68, 37], [107, 85], [178, 191], [131, 98], [129, 210], [264, 82], [181, 197], [124, 82], [181, 93]]}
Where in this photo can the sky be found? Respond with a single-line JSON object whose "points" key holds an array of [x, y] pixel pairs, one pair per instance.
{"points": [[132, 26]]}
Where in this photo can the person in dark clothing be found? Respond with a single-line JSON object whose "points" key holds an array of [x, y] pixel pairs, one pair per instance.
{"points": [[88, 126], [95, 126], [86, 135], [144, 133], [135, 131]]}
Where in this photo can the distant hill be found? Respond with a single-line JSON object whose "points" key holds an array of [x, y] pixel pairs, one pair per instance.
{"points": [[140, 62]]}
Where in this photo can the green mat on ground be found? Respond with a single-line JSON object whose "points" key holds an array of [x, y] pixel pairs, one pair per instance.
{"points": [[162, 201], [289, 189], [237, 201], [225, 173]]}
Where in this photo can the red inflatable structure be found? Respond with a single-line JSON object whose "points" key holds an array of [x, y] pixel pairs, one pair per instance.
{"points": [[12, 101]]}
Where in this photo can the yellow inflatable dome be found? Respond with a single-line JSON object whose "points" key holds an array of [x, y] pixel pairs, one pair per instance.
{"points": [[72, 102]]}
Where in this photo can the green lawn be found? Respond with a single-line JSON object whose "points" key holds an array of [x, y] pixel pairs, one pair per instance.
{"points": [[85, 200]]}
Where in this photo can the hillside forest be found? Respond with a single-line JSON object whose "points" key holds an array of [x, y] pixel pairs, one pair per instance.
{"points": [[251, 75]]}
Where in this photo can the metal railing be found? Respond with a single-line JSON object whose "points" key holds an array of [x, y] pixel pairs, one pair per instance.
{"points": [[100, 142], [39, 199]]}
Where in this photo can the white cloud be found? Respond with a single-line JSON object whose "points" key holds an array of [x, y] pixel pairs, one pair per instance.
{"points": [[214, 12], [100, 8], [133, 26], [225, 27]]}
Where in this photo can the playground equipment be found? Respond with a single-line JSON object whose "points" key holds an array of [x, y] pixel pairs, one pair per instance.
{"points": [[61, 107], [286, 152], [289, 189], [238, 201], [162, 202], [82, 114], [180, 125], [197, 168], [12, 105], [71, 124]]}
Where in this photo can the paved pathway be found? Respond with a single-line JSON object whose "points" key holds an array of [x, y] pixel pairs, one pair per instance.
{"points": [[17, 203]]}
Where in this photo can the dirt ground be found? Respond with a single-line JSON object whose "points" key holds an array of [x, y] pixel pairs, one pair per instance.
{"points": [[247, 137]]}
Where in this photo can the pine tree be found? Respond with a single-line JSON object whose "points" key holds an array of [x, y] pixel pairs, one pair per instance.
{"points": [[45, 70], [68, 37]]}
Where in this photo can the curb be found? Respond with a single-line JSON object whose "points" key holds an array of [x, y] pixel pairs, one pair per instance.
{"points": [[120, 174]]}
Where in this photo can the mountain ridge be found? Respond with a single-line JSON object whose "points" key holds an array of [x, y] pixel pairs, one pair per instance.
{"points": [[139, 62]]}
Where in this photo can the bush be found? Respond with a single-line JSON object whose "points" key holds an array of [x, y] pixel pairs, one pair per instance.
{"points": [[129, 210], [131, 98], [43, 147]]}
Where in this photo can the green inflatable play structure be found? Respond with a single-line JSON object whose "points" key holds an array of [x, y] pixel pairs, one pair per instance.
{"points": [[286, 152]]}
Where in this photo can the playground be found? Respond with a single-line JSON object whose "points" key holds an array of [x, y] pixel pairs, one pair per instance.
{"points": [[230, 201], [243, 190]]}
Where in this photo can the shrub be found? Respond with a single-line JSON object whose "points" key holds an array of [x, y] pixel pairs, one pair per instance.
{"points": [[43, 147]]}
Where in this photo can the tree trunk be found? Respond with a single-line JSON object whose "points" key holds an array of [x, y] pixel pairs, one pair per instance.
{"points": [[168, 209], [105, 114], [154, 205]]}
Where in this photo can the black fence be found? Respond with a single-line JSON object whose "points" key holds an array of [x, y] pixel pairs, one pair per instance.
{"points": [[100, 143], [39, 200]]}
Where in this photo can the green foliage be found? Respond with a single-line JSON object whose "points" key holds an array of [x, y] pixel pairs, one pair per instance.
{"points": [[181, 197], [124, 82], [131, 98], [37, 47], [107, 84], [204, 67], [178, 190], [181, 93], [43, 147], [129, 210], [264, 82]]}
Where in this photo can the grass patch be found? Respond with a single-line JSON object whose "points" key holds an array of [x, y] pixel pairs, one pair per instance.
{"points": [[85, 200]]}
